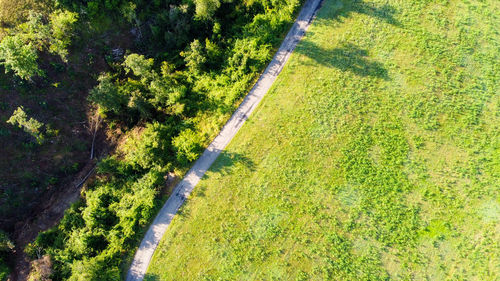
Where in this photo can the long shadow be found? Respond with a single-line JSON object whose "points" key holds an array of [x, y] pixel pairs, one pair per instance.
{"points": [[348, 57], [151, 277], [224, 162], [227, 159], [384, 12]]}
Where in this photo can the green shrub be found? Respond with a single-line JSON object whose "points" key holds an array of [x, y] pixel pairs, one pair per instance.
{"points": [[19, 57], [151, 148], [31, 126], [96, 268], [106, 95], [205, 9], [62, 26], [188, 145]]}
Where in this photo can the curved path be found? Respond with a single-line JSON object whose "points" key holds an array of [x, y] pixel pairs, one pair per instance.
{"points": [[155, 232]]}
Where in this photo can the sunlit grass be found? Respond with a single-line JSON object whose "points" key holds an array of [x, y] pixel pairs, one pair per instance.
{"points": [[376, 155]]}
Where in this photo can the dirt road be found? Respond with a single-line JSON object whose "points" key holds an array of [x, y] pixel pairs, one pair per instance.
{"points": [[155, 232]]}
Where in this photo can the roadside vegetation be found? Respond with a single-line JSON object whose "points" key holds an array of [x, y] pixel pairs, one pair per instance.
{"points": [[161, 79], [375, 156]]}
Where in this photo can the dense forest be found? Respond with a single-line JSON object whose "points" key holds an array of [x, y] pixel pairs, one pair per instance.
{"points": [[141, 86]]}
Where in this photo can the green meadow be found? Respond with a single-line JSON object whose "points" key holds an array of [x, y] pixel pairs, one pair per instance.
{"points": [[375, 156]]}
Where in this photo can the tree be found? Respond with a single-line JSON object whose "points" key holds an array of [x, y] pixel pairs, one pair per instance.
{"points": [[34, 31], [54, 35], [107, 96], [61, 23], [18, 51], [195, 57], [205, 9], [140, 66], [153, 91], [19, 57], [41, 269], [31, 126]]}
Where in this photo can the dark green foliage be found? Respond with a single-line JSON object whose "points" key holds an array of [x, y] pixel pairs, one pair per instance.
{"points": [[144, 95], [171, 29], [4, 270], [107, 96]]}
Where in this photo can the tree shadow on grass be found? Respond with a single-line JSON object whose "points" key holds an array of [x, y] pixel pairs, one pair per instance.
{"points": [[227, 159], [343, 9], [346, 58], [152, 277], [349, 57], [223, 165]]}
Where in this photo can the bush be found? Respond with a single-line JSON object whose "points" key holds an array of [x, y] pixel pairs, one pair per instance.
{"points": [[151, 148], [188, 145], [62, 25], [96, 269], [31, 126], [205, 9], [19, 57], [107, 97]]}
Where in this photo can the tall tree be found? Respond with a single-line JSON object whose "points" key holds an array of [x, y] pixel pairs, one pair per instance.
{"points": [[19, 57]]}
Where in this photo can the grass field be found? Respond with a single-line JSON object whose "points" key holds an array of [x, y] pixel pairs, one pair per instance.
{"points": [[376, 155]]}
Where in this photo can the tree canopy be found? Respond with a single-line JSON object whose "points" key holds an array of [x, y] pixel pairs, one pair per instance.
{"points": [[18, 57]]}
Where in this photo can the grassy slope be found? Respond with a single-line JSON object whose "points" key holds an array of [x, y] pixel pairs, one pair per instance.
{"points": [[376, 154]]}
